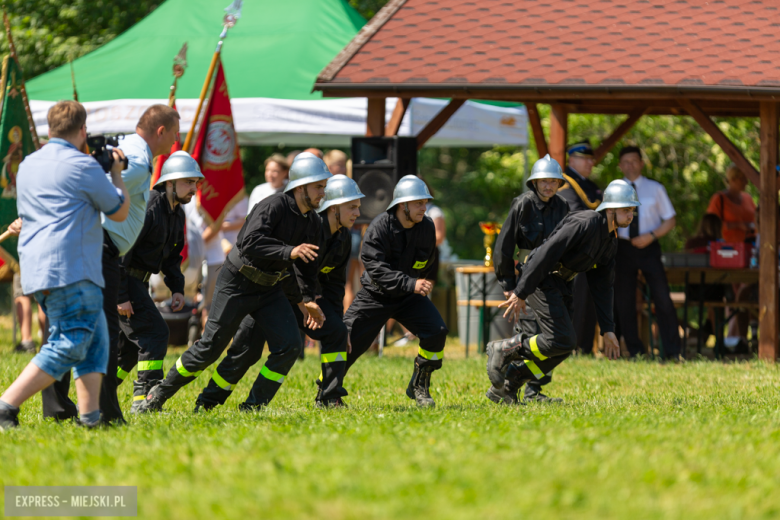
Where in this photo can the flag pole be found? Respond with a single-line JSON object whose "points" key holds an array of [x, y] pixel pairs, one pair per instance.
{"points": [[12, 48], [233, 13], [73, 81], [179, 64]]}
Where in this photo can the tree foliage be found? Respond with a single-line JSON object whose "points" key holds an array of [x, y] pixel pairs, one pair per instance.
{"points": [[367, 8]]}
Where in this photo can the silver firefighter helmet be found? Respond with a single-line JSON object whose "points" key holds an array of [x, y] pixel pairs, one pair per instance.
{"points": [[305, 169], [410, 188], [619, 194], [545, 168], [340, 189], [179, 165]]}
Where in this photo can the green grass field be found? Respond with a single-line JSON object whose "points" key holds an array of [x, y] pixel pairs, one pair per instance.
{"points": [[633, 440]]}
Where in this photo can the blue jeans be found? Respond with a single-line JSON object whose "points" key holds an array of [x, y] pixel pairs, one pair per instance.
{"points": [[78, 333]]}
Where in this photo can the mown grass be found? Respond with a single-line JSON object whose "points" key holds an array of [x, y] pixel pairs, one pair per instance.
{"points": [[633, 440]]}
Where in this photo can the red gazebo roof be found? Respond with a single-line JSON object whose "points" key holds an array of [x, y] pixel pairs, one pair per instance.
{"points": [[675, 46]]}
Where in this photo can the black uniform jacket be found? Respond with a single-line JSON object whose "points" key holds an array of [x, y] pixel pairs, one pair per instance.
{"points": [[583, 244], [158, 246], [579, 192], [395, 257], [332, 262], [275, 227], [529, 222]]}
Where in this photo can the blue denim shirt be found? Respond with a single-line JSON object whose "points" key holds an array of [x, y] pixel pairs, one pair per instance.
{"points": [[60, 194], [138, 179]]}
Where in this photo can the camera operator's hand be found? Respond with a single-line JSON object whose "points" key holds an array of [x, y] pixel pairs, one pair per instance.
{"points": [[120, 162]]}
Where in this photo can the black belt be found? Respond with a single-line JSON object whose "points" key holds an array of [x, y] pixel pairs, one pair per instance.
{"points": [[564, 272], [139, 273], [254, 274]]}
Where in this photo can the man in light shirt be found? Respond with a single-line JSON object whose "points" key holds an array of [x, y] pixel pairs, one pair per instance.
{"points": [[156, 132], [638, 249]]}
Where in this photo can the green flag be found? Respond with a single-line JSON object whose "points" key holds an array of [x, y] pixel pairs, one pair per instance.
{"points": [[15, 144]]}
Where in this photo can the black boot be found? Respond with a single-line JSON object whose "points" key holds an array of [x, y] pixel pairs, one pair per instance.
{"points": [[419, 386], [140, 391], [500, 354], [154, 400], [507, 393], [534, 394], [336, 402], [9, 419], [203, 406]]}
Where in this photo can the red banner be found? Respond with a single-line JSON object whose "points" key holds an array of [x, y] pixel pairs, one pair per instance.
{"points": [[216, 150]]}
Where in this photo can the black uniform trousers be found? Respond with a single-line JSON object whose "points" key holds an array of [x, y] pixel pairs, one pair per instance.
{"points": [[552, 303], [272, 319], [143, 337], [527, 325], [630, 260], [56, 402], [369, 312], [247, 349], [584, 317]]}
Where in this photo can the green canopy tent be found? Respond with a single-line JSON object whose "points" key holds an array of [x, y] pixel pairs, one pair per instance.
{"points": [[271, 58]]}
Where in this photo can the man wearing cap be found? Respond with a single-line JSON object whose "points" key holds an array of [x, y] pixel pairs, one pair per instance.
{"points": [[584, 242], [638, 249], [280, 235], [582, 193], [339, 210], [143, 335], [398, 252], [532, 217]]}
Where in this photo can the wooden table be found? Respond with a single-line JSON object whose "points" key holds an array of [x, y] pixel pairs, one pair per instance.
{"points": [[478, 298], [707, 275]]}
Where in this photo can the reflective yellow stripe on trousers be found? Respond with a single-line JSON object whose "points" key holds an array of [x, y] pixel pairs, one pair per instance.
{"points": [[121, 374], [150, 365], [433, 356], [535, 349], [270, 374], [224, 385], [538, 374], [183, 371], [333, 357]]}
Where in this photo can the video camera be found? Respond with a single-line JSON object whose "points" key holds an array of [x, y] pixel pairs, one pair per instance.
{"points": [[97, 148]]}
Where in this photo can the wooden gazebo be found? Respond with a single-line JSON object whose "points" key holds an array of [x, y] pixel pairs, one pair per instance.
{"points": [[636, 57]]}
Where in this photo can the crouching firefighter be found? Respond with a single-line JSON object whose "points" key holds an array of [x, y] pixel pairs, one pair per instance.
{"points": [[143, 334], [532, 217], [280, 231], [339, 210], [584, 242], [398, 252]]}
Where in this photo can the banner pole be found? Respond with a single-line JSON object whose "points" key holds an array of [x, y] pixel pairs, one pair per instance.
{"points": [[230, 19]]}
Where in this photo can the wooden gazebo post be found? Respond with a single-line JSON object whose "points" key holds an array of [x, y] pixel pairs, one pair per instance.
{"points": [[768, 214]]}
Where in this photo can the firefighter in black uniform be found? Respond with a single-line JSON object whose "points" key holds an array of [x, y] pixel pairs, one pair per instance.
{"points": [[339, 209], [280, 234], [582, 193], [143, 334], [398, 252], [532, 217], [584, 242]]}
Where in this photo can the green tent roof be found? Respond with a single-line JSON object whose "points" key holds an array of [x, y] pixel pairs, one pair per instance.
{"points": [[275, 50]]}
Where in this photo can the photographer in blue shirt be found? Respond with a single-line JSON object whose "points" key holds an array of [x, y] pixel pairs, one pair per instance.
{"points": [[156, 132], [61, 193]]}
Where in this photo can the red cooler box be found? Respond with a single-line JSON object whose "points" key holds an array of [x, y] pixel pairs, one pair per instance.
{"points": [[730, 255]]}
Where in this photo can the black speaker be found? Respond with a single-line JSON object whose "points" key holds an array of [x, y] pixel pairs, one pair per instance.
{"points": [[377, 165]]}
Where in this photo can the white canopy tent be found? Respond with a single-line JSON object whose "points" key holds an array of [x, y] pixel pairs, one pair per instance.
{"points": [[323, 122]]}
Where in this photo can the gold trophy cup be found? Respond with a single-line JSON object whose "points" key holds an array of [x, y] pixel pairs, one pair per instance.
{"points": [[490, 229]]}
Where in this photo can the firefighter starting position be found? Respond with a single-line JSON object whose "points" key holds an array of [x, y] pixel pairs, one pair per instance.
{"points": [[143, 334], [584, 242], [280, 234], [532, 218], [398, 252], [339, 210]]}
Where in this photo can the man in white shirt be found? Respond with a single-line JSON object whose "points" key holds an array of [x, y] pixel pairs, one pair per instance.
{"points": [[215, 256], [638, 250]]}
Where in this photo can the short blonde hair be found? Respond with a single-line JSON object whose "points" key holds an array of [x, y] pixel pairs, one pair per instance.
{"points": [[66, 118], [334, 156], [278, 159]]}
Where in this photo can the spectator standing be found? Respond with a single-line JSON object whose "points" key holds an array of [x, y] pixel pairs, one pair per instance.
{"points": [[155, 134], [61, 192], [233, 222], [336, 161], [23, 306], [734, 207], [277, 171], [582, 193], [215, 255], [638, 249]]}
